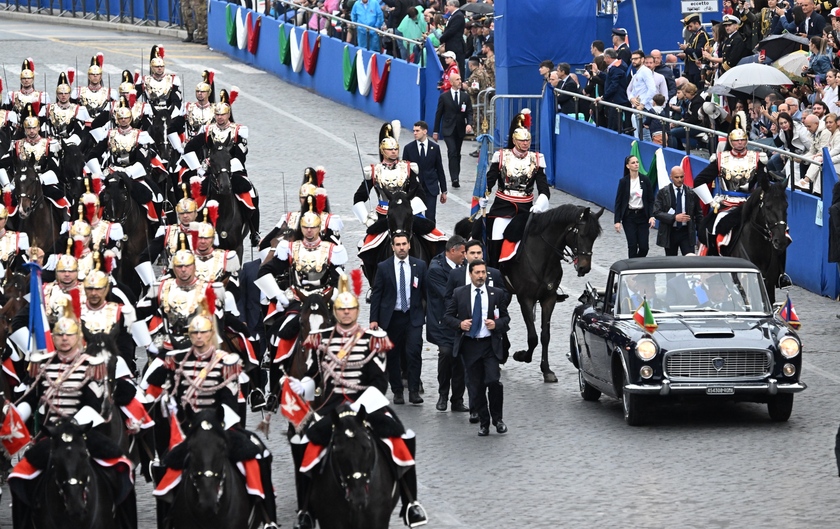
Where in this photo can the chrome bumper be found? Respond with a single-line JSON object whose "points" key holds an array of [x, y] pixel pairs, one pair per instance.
{"points": [[771, 387]]}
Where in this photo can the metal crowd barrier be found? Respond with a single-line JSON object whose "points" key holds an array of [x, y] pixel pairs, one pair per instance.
{"points": [[712, 134], [483, 110], [135, 12], [504, 108]]}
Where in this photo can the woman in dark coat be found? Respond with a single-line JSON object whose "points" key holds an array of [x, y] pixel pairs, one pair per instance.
{"points": [[634, 208]]}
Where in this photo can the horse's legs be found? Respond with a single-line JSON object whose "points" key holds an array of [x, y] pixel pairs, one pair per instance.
{"points": [[547, 306], [527, 306]]}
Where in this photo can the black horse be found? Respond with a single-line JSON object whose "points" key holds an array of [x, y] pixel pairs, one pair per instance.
{"points": [[103, 345], [119, 206], [72, 491], [232, 226], [212, 493], [566, 232], [36, 215], [72, 164], [357, 486], [760, 232]]}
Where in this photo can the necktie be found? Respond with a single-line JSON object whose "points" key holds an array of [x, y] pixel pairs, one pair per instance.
{"points": [[423, 150], [475, 328], [403, 297], [456, 99], [678, 208]]}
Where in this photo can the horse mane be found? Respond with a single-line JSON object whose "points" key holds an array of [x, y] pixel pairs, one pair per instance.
{"points": [[772, 194], [101, 342], [567, 214]]}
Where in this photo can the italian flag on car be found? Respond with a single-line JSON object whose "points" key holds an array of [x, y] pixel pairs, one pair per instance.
{"points": [[644, 317]]}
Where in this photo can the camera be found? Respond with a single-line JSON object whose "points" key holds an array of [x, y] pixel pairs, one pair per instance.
{"points": [[783, 5]]}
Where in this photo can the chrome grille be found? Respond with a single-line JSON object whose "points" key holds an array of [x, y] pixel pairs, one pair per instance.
{"points": [[735, 364]]}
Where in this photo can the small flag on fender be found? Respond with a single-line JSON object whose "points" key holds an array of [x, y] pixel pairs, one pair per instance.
{"points": [[644, 317], [788, 313]]}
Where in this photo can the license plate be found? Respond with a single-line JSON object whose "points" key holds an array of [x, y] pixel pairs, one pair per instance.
{"points": [[720, 390]]}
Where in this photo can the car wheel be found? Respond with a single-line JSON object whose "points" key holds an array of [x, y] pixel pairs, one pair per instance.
{"points": [[634, 406], [780, 406], [587, 391]]}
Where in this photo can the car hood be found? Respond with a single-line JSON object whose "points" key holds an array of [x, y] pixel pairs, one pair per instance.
{"points": [[699, 332]]}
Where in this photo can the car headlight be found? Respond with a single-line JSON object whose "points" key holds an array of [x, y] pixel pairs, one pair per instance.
{"points": [[789, 346], [646, 349]]}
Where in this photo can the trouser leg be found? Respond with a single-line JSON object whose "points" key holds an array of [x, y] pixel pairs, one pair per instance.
{"points": [[495, 389], [413, 353], [445, 366]]}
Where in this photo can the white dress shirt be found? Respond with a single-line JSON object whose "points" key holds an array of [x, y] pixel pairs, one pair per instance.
{"points": [[485, 303], [407, 273]]}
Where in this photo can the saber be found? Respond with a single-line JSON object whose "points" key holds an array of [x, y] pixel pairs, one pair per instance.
{"points": [[362, 167], [285, 198]]}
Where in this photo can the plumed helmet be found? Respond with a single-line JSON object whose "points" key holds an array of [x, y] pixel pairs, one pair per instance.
{"points": [[308, 190], [186, 205], [737, 134], [206, 84], [126, 83], [739, 127], [96, 63], [67, 263], [31, 120], [156, 56], [4, 213], [183, 258], [65, 325], [520, 127], [123, 113], [63, 86], [96, 279], [347, 299], [389, 136], [201, 323], [27, 71], [521, 134], [206, 230], [310, 219]]}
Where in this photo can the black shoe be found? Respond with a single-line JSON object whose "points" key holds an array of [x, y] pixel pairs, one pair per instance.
{"points": [[456, 184], [422, 389], [474, 154], [200, 41], [304, 521], [415, 515], [414, 397], [459, 407], [271, 403], [784, 281], [483, 431], [441, 403], [257, 400], [399, 398], [189, 38], [473, 418], [501, 427]]}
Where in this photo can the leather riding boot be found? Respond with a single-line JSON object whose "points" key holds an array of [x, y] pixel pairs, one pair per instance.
{"points": [[254, 222], [412, 513], [302, 481]]}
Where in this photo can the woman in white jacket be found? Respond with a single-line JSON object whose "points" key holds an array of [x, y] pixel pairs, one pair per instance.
{"points": [[791, 136], [814, 173]]}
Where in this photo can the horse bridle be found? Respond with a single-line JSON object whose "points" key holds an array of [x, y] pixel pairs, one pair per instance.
{"points": [[210, 474], [569, 253], [766, 230], [345, 481], [34, 201]]}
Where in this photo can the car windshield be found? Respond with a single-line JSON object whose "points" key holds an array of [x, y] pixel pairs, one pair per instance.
{"points": [[693, 292]]}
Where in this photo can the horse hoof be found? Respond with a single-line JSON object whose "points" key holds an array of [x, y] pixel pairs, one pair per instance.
{"points": [[549, 377], [522, 356]]}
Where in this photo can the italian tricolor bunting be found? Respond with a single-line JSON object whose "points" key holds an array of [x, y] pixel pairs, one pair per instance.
{"points": [[644, 317]]}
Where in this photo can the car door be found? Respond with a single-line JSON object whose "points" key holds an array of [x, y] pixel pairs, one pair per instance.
{"points": [[597, 323]]}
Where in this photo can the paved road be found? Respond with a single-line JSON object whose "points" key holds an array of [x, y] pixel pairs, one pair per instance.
{"points": [[565, 462]]}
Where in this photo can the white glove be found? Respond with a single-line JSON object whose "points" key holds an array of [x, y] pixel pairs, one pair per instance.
{"points": [[282, 300], [296, 386], [541, 204], [372, 217], [360, 211], [152, 348], [483, 202]]}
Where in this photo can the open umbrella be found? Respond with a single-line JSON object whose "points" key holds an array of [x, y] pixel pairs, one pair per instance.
{"points": [[748, 77], [777, 46], [478, 9], [792, 64]]}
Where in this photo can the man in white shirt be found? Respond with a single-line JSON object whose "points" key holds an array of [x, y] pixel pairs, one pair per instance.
{"points": [[642, 87]]}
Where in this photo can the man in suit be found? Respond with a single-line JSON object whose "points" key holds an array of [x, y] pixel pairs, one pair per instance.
{"points": [[811, 23], [396, 305], [619, 40], [479, 315], [426, 154], [450, 371], [615, 90], [561, 80], [677, 208], [454, 119], [452, 37]]}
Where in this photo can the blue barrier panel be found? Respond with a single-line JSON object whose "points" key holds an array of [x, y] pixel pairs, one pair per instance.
{"points": [[808, 252], [546, 132], [433, 74], [402, 99]]}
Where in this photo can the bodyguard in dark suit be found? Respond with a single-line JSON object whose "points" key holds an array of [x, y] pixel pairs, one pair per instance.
{"points": [[426, 154], [450, 370], [454, 119], [453, 34], [479, 315], [396, 305], [677, 208]]}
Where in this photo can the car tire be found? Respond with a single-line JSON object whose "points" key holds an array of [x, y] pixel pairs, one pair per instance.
{"points": [[780, 406], [633, 405], [588, 392]]}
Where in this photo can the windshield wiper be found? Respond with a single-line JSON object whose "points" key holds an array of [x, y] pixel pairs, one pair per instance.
{"points": [[702, 309]]}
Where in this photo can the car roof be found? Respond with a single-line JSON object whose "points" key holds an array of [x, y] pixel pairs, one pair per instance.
{"points": [[691, 262]]}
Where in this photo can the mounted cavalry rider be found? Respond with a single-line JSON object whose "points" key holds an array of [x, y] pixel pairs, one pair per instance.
{"points": [[224, 134], [517, 171], [65, 120], [27, 95], [160, 89], [205, 377], [141, 112], [104, 233], [13, 245], [731, 176], [43, 153], [168, 239], [94, 97], [347, 363], [200, 113]]}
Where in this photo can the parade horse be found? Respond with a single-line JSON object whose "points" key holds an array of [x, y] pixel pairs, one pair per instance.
{"points": [[566, 232], [36, 215], [73, 491], [119, 206], [72, 165], [212, 491], [232, 226], [759, 232], [400, 221], [356, 486]]}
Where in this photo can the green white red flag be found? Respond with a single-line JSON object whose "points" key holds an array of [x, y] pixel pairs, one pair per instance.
{"points": [[644, 317]]}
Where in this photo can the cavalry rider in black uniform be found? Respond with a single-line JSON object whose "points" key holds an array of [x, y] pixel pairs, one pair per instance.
{"points": [[44, 153], [347, 361], [141, 111], [731, 176], [160, 89], [94, 97], [305, 266], [204, 377], [65, 120], [517, 171], [220, 134], [168, 240], [13, 245], [202, 112]]}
